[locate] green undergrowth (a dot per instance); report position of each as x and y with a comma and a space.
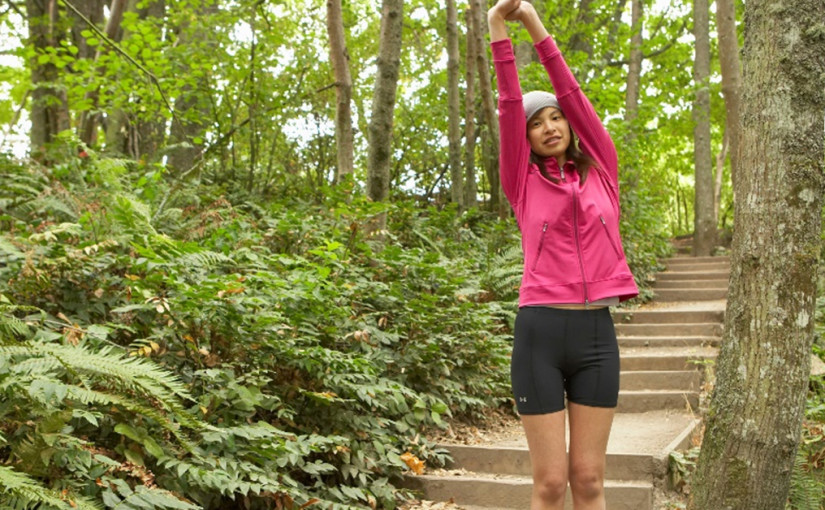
176, 345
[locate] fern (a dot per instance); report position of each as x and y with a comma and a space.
504, 274
10, 326
37, 365
807, 490
20, 491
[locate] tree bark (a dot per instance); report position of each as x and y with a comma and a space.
383, 104
731, 76
470, 187
87, 130
343, 88
49, 108
755, 415
634, 78
704, 219
185, 151
454, 105
93, 10
489, 109
129, 132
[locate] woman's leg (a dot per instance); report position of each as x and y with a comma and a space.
548, 455
589, 432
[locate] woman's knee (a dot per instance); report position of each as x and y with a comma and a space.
551, 487
587, 481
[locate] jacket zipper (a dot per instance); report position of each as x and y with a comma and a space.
578, 242
609, 237
541, 245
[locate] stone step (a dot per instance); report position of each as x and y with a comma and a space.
691, 284
654, 358
513, 492
673, 330
671, 380
642, 401
669, 341
695, 261
665, 316
516, 461
692, 265
637, 448
721, 276
665, 295
678, 260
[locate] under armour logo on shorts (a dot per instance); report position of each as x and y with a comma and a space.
522, 399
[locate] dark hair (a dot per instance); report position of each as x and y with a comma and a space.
583, 161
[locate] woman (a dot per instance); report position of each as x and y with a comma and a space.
566, 202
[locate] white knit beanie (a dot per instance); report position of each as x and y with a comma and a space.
536, 101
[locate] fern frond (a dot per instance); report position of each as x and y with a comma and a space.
23, 492
10, 326
132, 214
807, 491
202, 260
49, 205
138, 374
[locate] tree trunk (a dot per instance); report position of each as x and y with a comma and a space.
93, 11
470, 187
634, 78
343, 88
489, 108
185, 152
454, 106
49, 108
87, 131
134, 134
755, 415
731, 75
581, 39
383, 104
704, 220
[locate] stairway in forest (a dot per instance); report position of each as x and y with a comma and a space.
663, 346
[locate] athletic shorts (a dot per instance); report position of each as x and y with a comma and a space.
558, 352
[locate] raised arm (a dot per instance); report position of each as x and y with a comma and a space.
593, 137
514, 153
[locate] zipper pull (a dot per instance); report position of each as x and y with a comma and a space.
561, 171
602, 218
544, 228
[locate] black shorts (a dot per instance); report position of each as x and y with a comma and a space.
560, 351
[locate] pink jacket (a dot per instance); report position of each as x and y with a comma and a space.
570, 231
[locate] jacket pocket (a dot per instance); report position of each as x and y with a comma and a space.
610, 238
541, 245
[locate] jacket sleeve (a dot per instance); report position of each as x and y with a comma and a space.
514, 153
593, 137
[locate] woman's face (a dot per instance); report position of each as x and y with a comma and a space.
549, 134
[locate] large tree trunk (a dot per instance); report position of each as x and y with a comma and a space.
704, 219
497, 202
49, 109
383, 104
454, 106
634, 78
470, 187
343, 88
731, 77
754, 421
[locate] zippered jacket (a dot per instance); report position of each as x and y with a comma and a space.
570, 230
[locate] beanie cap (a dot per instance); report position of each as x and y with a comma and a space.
536, 101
